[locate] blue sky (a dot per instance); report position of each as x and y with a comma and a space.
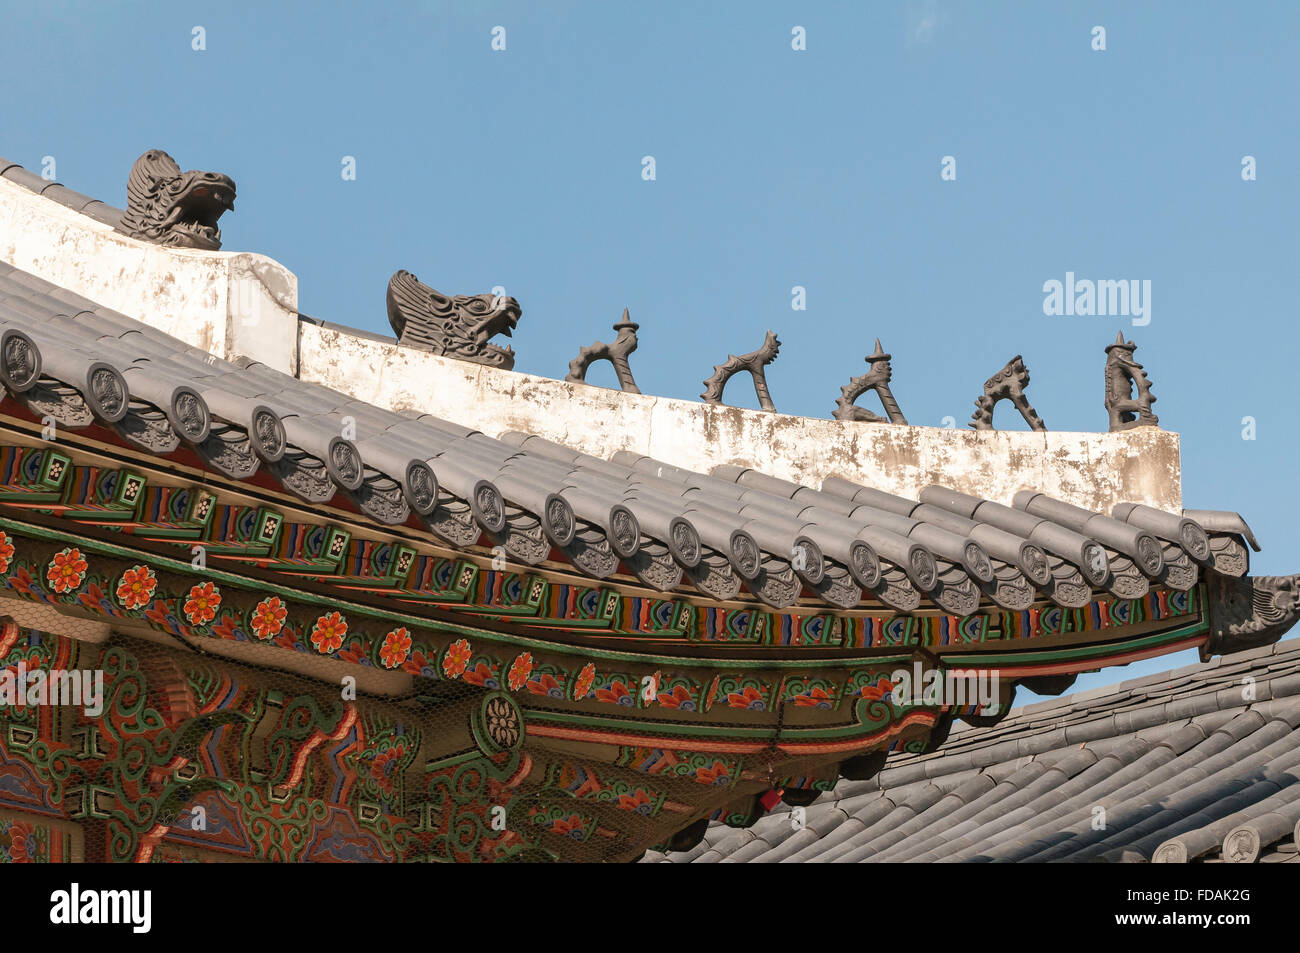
774, 168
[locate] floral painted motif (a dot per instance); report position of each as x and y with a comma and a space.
202, 604
749, 699
66, 570
328, 634
228, 628
6, 552
481, 675
24, 846
879, 690
396, 647
545, 684
520, 669
136, 587
639, 802
582, 687
94, 599
571, 826
715, 774
354, 653
420, 664
456, 659
678, 698
384, 768
616, 694
817, 698
268, 618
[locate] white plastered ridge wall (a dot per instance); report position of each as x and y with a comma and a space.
238, 304
1095, 470
230, 304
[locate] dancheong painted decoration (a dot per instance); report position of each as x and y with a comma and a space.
253, 610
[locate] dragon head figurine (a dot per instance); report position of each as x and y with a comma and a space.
179, 209
1249, 612
458, 327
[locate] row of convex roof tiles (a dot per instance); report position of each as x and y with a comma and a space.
100, 211
82, 364
1184, 766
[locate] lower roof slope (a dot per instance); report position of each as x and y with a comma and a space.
1198, 764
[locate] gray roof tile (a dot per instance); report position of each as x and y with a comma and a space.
28, 180
67, 197
100, 211
527, 493
1162, 775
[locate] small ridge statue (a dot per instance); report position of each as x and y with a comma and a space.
1123, 376
1007, 384
456, 327
754, 362
616, 353
876, 379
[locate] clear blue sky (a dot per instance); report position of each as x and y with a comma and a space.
775, 168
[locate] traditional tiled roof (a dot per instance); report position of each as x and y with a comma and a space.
68, 357
1047, 588
1196, 764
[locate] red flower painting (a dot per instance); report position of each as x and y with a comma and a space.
456, 659
202, 604
6, 552
585, 679
136, 587
66, 570
520, 669
329, 632
396, 647
268, 618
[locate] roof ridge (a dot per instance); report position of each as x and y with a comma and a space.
92, 208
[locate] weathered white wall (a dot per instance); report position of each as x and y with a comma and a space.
235, 304
1095, 470
228, 303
